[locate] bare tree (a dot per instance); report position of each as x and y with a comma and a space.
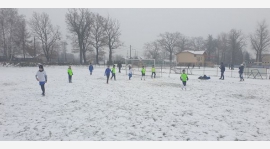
210, 46
222, 47
47, 34
34, 48
9, 26
152, 50
79, 22
197, 44
260, 40
98, 34
23, 36
169, 42
112, 32
183, 43
236, 43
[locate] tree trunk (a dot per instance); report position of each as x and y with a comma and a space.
24, 50
260, 56
84, 57
97, 56
4, 38
80, 45
110, 56
170, 60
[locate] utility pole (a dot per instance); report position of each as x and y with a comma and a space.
130, 52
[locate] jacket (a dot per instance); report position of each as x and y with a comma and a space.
143, 70
184, 77
222, 68
241, 69
70, 72
113, 70
107, 71
41, 76
91, 68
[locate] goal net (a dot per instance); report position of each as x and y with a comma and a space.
137, 64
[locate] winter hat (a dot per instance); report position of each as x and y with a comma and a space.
40, 66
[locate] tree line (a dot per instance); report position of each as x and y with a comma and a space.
88, 32
92, 35
228, 47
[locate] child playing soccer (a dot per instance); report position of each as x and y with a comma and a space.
184, 79
91, 68
107, 73
153, 72
130, 72
143, 72
70, 73
41, 76
113, 72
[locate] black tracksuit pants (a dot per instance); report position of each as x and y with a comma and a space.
43, 88
69, 78
113, 76
222, 75
108, 76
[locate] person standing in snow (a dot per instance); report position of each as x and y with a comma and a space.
153, 72
222, 69
113, 72
241, 71
91, 68
70, 74
119, 65
41, 76
107, 73
130, 72
184, 78
143, 72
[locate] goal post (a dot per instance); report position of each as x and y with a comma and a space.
137, 64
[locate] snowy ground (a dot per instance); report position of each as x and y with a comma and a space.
155, 109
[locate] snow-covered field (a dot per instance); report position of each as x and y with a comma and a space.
155, 109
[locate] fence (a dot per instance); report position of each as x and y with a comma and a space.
253, 73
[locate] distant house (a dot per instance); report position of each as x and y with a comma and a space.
188, 58
266, 59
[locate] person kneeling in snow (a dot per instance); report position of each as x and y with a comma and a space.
204, 77
184, 79
41, 76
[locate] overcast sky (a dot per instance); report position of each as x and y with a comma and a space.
141, 25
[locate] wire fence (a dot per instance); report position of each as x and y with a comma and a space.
253, 73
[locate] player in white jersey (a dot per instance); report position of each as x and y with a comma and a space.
41, 76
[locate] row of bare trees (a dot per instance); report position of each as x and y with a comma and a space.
92, 31
17, 39
90, 34
228, 47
